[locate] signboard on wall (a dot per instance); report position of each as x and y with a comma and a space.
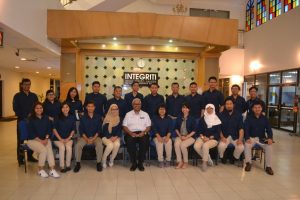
1, 39
144, 78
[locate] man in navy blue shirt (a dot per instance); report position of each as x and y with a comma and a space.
195, 101
23, 103
238, 101
253, 98
153, 100
213, 96
258, 131
90, 130
174, 102
231, 131
117, 99
98, 98
132, 95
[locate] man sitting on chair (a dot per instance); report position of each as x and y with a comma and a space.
256, 127
136, 126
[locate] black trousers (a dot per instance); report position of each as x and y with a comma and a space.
19, 142
131, 143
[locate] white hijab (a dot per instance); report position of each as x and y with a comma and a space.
211, 119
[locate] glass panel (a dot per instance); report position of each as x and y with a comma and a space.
274, 78
248, 82
287, 119
273, 115
273, 96
288, 94
289, 77
261, 83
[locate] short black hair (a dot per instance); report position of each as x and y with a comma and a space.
90, 102
253, 87
175, 83
117, 87
228, 99
134, 82
257, 102
49, 91
193, 83
154, 84
96, 82
212, 78
185, 104
236, 85
161, 106
25, 80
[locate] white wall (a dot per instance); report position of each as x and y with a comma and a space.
10, 86
29, 17
274, 45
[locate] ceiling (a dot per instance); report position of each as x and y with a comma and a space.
45, 59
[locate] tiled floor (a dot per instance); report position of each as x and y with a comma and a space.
219, 182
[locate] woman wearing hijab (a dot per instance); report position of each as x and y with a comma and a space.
209, 134
185, 130
112, 132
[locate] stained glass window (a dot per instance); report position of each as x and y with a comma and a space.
249, 15
274, 8
290, 4
261, 12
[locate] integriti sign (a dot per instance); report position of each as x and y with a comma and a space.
144, 78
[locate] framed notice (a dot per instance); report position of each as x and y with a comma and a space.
1, 39
144, 78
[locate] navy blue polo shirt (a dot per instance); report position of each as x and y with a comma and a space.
162, 126
52, 109
23, 104
121, 103
64, 126
257, 127
100, 102
174, 104
250, 103
90, 126
190, 123
231, 124
75, 105
151, 104
39, 127
214, 97
196, 103
129, 98
239, 103
208, 132
116, 131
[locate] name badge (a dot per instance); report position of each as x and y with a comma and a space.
142, 117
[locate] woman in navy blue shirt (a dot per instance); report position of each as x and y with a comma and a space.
185, 129
51, 105
112, 132
209, 131
64, 129
39, 131
162, 128
74, 102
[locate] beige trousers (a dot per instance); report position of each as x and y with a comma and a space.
238, 150
45, 152
111, 147
266, 147
202, 148
181, 148
160, 149
81, 143
64, 147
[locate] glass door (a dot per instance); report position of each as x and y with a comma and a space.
273, 105
287, 116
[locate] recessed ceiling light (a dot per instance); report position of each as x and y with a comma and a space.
23, 59
50, 74
115, 38
103, 45
49, 67
115, 44
68, 73
152, 48
176, 48
37, 72
170, 41
17, 67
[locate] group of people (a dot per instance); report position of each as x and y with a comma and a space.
205, 121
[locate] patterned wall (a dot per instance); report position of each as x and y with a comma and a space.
109, 72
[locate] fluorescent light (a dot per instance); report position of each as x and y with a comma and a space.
23, 59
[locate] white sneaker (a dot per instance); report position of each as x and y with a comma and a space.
210, 162
54, 174
104, 165
42, 173
111, 163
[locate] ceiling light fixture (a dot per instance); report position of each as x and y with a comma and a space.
115, 38
49, 67
180, 8
170, 41
37, 72
17, 67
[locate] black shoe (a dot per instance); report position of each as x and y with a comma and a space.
68, 169
248, 167
99, 167
32, 159
77, 167
269, 171
141, 167
232, 161
133, 167
64, 170
224, 160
